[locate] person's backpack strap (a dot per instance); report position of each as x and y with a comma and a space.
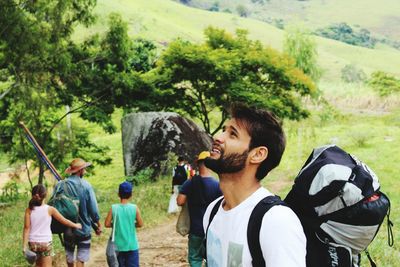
212, 215
254, 227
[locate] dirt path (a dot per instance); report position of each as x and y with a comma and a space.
159, 246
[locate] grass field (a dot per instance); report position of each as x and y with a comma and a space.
163, 21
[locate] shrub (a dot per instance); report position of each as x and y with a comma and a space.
353, 74
10, 192
384, 83
242, 11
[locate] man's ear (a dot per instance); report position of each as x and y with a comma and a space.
258, 154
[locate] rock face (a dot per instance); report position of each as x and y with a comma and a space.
148, 137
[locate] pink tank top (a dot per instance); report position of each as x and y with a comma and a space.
40, 224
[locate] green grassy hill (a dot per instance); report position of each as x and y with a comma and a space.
163, 21
379, 17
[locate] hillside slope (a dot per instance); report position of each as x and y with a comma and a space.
379, 17
164, 20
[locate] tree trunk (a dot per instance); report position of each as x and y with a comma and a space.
41, 172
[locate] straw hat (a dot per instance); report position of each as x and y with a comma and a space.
77, 165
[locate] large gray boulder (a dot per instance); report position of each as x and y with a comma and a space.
148, 137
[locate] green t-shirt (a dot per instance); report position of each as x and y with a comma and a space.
124, 218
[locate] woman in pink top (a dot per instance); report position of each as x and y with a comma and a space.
37, 233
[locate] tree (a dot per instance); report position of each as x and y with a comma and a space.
33, 40
300, 46
201, 79
43, 70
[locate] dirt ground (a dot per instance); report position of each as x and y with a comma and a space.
159, 246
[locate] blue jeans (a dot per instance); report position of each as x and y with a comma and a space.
128, 258
195, 256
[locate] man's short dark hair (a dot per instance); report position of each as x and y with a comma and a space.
264, 129
181, 158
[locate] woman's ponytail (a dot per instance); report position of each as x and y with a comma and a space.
38, 195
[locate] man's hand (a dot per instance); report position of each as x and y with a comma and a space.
98, 229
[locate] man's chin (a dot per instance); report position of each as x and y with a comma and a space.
213, 164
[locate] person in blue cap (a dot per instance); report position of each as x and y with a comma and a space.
124, 218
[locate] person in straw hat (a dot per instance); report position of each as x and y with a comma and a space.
89, 217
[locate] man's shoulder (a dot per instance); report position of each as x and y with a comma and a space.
210, 179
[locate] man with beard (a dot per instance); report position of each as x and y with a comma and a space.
250, 145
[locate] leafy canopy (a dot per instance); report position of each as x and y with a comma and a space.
202, 79
300, 45
45, 76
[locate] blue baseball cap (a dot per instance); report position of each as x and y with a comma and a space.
125, 188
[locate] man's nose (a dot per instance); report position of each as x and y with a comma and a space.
219, 138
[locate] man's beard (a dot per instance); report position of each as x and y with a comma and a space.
227, 164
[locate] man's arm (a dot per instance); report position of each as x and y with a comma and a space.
108, 221
93, 211
181, 199
282, 239
139, 221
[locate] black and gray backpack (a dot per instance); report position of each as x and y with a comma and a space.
339, 203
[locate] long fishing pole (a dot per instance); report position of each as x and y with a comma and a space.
40, 152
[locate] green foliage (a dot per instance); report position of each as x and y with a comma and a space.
10, 192
301, 46
141, 177
352, 74
197, 79
45, 71
345, 33
242, 10
279, 23
214, 7
261, 2
384, 83
33, 45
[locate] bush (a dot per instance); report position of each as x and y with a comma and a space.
214, 7
242, 11
10, 192
384, 83
353, 74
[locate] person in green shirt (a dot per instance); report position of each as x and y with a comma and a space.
124, 218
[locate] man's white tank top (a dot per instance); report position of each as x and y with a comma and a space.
40, 224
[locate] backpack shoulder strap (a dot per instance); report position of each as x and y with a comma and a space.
212, 215
254, 227
213, 212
